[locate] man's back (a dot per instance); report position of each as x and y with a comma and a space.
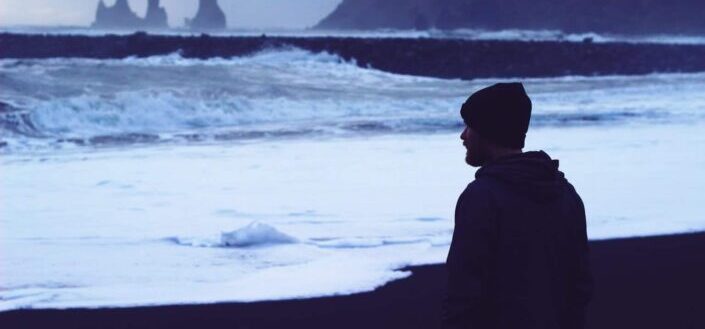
519, 256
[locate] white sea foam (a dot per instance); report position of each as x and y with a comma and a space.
255, 234
65, 103
258, 234
360, 209
258, 221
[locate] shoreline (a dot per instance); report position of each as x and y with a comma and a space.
645, 282
439, 58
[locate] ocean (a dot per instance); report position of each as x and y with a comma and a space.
291, 174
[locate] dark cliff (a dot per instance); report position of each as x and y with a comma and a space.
209, 16
623, 16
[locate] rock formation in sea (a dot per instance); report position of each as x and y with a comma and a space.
623, 16
156, 15
121, 16
118, 16
209, 16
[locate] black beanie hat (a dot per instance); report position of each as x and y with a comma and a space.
500, 113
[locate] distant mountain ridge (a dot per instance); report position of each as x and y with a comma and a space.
601, 16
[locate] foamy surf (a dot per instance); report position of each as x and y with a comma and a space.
174, 225
73, 103
133, 184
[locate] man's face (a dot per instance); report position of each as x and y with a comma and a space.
476, 154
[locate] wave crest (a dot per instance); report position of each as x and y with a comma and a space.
56, 103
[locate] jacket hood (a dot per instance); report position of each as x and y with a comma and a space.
533, 174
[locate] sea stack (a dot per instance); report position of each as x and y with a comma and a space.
118, 16
121, 16
209, 16
156, 16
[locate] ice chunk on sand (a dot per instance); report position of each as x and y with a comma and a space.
255, 234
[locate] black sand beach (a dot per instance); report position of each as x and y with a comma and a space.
655, 282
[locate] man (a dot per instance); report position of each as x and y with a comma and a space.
519, 255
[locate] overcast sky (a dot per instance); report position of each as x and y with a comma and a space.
240, 13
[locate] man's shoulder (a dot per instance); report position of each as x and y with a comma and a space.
475, 203
481, 186
479, 190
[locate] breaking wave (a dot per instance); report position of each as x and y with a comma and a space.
58, 103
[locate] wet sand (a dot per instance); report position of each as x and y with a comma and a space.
655, 282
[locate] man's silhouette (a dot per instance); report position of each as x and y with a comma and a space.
519, 256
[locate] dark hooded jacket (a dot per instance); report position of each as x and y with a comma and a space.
519, 255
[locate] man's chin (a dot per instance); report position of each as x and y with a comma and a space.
472, 162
